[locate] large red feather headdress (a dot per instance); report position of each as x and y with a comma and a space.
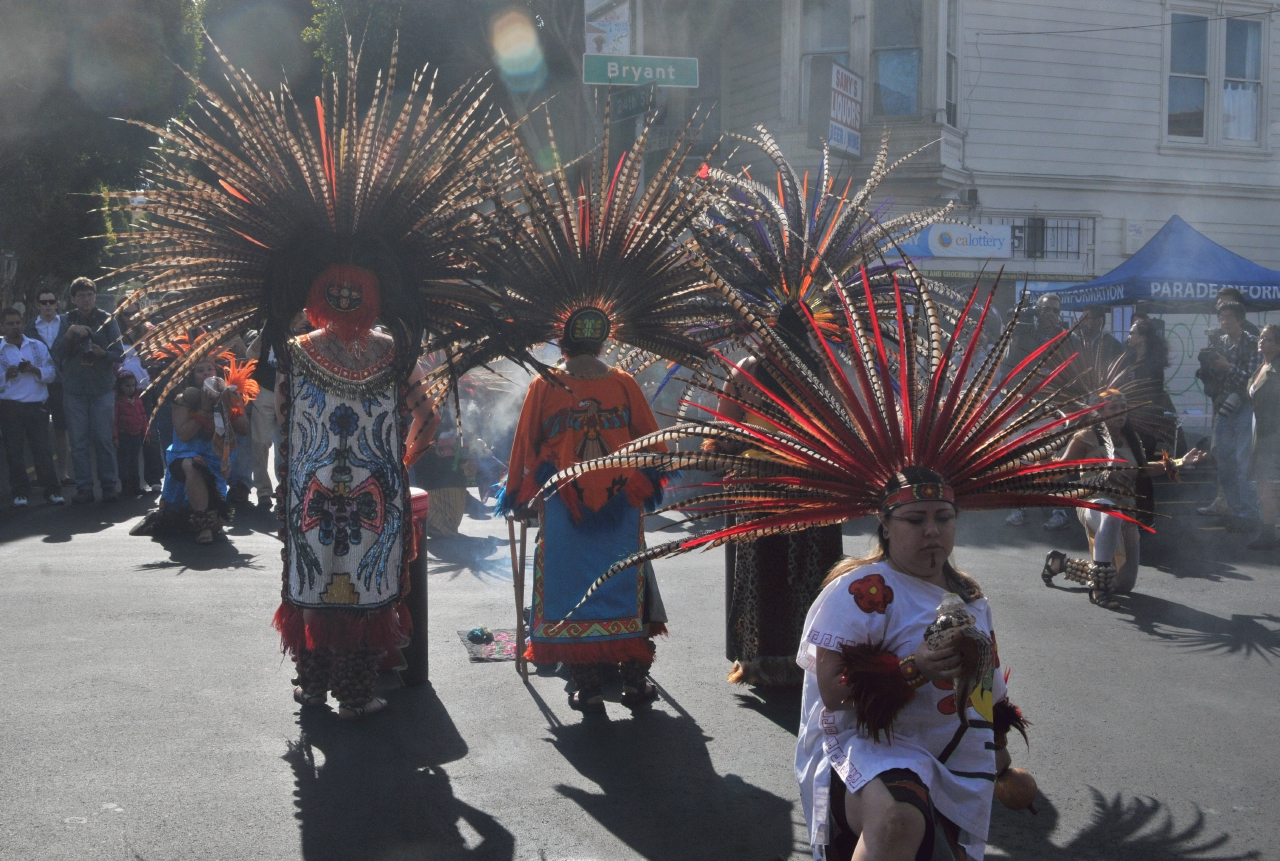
829, 441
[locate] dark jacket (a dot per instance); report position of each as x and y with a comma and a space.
1027, 338
81, 372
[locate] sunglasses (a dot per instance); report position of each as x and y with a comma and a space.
47, 301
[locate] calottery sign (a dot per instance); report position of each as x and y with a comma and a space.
632, 71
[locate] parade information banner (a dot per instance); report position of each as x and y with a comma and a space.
1187, 291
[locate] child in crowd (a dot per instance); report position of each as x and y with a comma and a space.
131, 425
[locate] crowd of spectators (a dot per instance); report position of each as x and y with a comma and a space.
1237, 375
75, 407
74, 404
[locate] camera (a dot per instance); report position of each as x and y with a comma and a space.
1209, 377
1207, 355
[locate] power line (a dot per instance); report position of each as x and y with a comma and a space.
1114, 29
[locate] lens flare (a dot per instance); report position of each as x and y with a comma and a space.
517, 51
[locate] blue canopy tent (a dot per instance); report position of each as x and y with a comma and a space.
1178, 271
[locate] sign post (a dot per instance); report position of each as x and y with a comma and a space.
617, 70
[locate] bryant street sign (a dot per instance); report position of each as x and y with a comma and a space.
630, 71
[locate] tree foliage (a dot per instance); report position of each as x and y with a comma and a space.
67, 68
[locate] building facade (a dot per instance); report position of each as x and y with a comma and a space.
1083, 127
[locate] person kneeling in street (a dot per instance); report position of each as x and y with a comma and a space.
207, 415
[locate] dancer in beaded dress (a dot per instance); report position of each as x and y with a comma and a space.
266, 207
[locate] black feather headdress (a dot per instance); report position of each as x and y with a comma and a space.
589, 235
1094, 372
780, 248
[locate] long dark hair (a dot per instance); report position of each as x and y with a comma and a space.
1155, 347
957, 581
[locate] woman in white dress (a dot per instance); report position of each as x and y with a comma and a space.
882, 758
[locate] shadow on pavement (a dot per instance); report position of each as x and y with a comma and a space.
475, 554
661, 795
780, 705
60, 524
1204, 632
185, 555
249, 519
377, 789
1122, 829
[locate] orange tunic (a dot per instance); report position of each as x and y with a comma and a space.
587, 418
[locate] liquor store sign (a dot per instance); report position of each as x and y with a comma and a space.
835, 107
844, 127
632, 71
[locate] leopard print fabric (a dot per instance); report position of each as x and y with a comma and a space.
772, 583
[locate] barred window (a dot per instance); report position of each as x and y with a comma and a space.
1043, 238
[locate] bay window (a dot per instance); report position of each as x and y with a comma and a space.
896, 41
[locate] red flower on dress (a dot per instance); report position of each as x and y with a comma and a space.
946, 705
871, 594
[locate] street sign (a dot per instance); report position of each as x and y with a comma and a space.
631, 71
835, 107
629, 103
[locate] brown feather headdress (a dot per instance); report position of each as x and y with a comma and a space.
780, 248
245, 207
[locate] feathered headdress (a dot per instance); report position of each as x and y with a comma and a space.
831, 446
780, 249
1093, 372
586, 253
249, 209
239, 377
181, 347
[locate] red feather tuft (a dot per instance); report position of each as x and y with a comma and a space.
877, 689
1006, 716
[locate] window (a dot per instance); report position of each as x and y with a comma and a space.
1242, 82
1188, 75
1039, 238
953, 61
895, 56
824, 33
1215, 79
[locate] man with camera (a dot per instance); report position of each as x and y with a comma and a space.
86, 350
1225, 368
25, 372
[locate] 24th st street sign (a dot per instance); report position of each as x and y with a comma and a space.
629, 71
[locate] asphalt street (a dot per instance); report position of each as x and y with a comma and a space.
147, 715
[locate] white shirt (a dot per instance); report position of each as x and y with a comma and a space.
131, 363
26, 388
876, 604
48, 331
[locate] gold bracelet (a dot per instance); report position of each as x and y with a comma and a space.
910, 672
